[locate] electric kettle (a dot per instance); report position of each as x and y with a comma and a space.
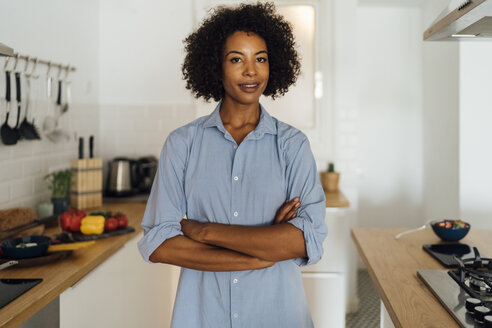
122, 177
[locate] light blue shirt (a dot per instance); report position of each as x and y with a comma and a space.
206, 176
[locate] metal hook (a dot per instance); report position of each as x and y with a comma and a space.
67, 70
36, 60
60, 69
27, 64
6, 63
16, 62
49, 69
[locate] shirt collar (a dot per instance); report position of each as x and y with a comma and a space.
265, 125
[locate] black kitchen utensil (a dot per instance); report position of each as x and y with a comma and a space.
81, 148
18, 99
8, 134
91, 147
28, 130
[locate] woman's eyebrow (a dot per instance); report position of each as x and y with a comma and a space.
240, 53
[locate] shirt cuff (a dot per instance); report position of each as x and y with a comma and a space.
154, 237
314, 248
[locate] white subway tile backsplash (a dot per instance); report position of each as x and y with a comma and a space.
22, 149
4, 193
32, 166
21, 188
4, 153
40, 185
10, 171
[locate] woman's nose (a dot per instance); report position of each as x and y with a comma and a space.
250, 69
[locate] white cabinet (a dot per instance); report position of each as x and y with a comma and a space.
330, 284
121, 292
326, 298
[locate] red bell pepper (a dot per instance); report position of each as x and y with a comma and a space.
71, 220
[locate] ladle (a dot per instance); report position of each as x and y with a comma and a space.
57, 134
50, 123
7, 133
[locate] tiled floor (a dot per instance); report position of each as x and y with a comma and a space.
368, 314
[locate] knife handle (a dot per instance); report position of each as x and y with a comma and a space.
58, 99
91, 147
17, 87
7, 88
81, 148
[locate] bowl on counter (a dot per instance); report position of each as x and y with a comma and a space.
22, 248
450, 230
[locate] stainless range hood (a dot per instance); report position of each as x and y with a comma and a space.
462, 19
6, 51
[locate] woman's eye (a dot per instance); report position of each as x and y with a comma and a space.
262, 60
235, 60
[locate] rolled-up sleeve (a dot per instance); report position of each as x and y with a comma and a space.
166, 205
303, 182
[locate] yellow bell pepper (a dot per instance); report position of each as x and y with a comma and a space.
92, 225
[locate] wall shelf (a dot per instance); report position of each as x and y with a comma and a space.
6, 51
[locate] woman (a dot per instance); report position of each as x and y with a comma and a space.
230, 172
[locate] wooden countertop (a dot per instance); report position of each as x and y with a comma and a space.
59, 276
336, 199
393, 266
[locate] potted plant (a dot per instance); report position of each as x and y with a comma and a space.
59, 183
329, 178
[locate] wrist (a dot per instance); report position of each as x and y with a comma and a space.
203, 232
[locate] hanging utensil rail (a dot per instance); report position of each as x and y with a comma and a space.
27, 58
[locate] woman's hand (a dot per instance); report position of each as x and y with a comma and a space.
192, 229
287, 211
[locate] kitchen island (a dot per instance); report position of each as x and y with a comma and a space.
393, 264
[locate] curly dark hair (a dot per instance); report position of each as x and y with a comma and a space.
202, 67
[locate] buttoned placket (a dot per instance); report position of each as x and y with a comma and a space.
235, 209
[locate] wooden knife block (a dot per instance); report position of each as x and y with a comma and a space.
86, 191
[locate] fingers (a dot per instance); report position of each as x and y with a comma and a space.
288, 210
292, 212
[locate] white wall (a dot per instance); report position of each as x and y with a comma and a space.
390, 114
475, 158
440, 122
33, 28
142, 93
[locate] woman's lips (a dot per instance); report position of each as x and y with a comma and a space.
249, 87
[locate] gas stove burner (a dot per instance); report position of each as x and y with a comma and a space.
478, 284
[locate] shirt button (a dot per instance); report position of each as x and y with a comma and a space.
235, 315
236, 178
235, 281
236, 213
235, 146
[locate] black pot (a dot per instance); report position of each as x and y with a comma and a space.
60, 205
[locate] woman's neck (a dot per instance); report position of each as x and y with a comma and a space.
237, 116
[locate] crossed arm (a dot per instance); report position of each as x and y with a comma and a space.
221, 247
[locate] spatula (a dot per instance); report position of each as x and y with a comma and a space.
7, 133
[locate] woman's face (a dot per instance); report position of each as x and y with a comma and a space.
245, 67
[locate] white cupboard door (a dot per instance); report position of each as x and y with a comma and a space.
124, 291
326, 298
336, 244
